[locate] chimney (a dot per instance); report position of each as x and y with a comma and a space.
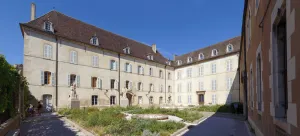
32, 11
154, 48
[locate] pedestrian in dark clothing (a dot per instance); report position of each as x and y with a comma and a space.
40, 106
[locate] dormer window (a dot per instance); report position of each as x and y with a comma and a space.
168, 62
48, 26
150, 57
229, 48
94, 40
189, 59
179, 62
127, 50
214, 52
201, 56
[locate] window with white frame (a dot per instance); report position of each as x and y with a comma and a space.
128, 67
229, 83
47, 78
213, 84
214, 52
168, 62
73, 57
95, 61
229, 48
113, 65
179, 99
128, 84
140, 86
140, 70
150, 72
140, 99
48, 26
126, 50
201, 86
256, 5
169, 99
229, 65
151, 100
214, 99
94, 40
179, 62
161, 74
150, 57
179, 87
213, 68
73, 79
151, 87
112, 100
189, 99
189, 86
201, 56
113, 84
48, 51
189, 59
179, 75
201, 70
189, 72
94, 99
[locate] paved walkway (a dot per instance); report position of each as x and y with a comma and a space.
48, 125
218, 125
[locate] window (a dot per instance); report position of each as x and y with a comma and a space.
179, 75
151, 100
213, 68
128, 84
126, 50
189, 59
150, 72
214, 52
73, 57
179, 88
201, 56
201, 71
169, 89
213, 85
45, 77
189, 86
94, 40
229, 83
94, 99
151, 87
201, 86
229, 48
48, 26
140, 70
94, 82
189, 99
256, 5
112, 84
189, 72
113, 65
161, 74
74, 79
179, 62
128, 67
229, 65
161, 100
95, 61
214, 99
258, 81
48, 51
140, 99
169, 76
140, 86
168, 62
161, 89
112, 100
169, 99
150, 57
179, 99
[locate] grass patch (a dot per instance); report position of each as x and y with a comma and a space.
186, 114
112, 122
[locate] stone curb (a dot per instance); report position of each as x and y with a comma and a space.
87, 133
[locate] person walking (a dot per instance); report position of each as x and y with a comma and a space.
40, 106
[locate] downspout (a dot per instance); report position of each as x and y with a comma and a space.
165, 84
119, 73
56, 74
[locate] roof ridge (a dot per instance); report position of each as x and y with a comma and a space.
42, 16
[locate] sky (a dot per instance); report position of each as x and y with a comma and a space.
175, 26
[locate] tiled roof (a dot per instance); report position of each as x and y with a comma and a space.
79, 31
207, 51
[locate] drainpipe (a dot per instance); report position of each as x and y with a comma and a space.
119, 84
165, 84
56, 75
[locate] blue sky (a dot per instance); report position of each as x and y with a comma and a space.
175, 26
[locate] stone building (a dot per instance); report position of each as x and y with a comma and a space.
108, 69
267, 63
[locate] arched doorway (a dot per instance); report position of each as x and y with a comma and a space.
129, 97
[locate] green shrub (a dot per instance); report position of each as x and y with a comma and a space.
221, 108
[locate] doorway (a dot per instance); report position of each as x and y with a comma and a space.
201, 99
47, 103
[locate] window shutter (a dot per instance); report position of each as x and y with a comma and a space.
130, 66
91, 40
115, 65
98, 83
141, 86
75, 57
125, 67
42, 77
116, 84
130, 85
71, 57
78, 80
93, 64
69, 80
97, 61
50, 51
53, 78
51, 27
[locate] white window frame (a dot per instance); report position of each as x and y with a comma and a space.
128, 67
112, 100
201, 56
150, 71
189, 87
94, 100
95, 61
201, 86
179, 87
179, 62
229, 65
214, 84
214, 52
73, 57
179, 75
189, 59
94, 40
214, 99
201, 70
213, 68
189, 73
179, 99
189, 99
227, 48
50, 26
257, 3
229, 83
113, 65
47, 51
126, 50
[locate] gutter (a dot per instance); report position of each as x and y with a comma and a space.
165, 84
56, 74
119, 73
